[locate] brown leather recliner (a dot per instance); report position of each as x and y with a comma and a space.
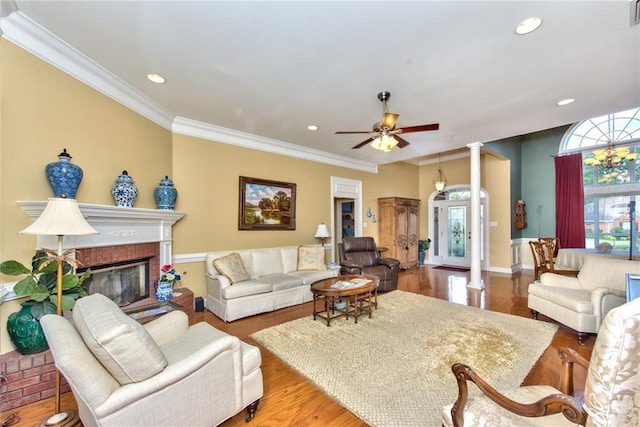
359, 255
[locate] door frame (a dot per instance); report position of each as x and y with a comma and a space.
345, 188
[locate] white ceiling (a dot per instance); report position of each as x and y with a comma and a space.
272, 68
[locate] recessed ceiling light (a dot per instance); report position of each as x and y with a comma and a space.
156, 78
312, 127
566, 101
528, 25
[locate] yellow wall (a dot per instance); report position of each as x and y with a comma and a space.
45, 110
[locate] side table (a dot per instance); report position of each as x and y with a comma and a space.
184, 298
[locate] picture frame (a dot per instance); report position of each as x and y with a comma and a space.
266, 205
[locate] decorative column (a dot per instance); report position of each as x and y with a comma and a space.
476, 266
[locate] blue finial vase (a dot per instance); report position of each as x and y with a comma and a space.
165, 194
64, 176
124, 191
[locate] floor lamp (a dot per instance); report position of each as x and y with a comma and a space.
61, 217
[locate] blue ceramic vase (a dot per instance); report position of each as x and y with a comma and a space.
25, 331
124, 191
63, 176
164, 291
165, 194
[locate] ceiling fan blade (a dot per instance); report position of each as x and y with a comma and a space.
363, 143
401, 142
421, 128
389, 120
354, 131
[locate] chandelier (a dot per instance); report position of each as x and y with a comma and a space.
610, 157
439, 180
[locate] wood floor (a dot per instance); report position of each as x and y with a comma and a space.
289, 400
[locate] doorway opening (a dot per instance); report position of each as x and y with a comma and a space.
346, 211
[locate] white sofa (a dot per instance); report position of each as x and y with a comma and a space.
275, 281
582, 302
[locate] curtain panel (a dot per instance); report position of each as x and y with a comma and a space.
570, 201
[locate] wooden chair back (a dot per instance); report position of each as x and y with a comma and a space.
553, 243
541, 262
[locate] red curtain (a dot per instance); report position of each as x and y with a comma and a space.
569, 201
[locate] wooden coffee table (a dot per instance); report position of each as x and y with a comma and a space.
359, 292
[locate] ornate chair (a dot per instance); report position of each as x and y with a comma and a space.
611, 391
553, 243
543, 261
359, 255
162, 373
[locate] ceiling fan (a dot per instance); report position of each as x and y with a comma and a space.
384, 136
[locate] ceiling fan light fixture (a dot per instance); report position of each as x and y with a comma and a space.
384, 143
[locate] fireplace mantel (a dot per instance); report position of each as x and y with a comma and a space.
116, 226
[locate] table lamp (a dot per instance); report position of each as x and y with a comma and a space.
322, 232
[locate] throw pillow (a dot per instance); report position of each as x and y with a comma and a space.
122, 345
310, 258
232, 267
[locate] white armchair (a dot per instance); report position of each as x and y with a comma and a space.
164, 373
582, 302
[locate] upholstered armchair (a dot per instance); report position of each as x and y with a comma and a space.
582, 302
359, 255
163, 373
611, 392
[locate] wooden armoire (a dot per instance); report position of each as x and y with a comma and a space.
398, 226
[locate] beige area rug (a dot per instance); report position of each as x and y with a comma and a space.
395, 368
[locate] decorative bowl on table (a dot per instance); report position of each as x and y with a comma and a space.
604, 248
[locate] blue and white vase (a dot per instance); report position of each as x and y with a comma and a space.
64, 176
124, 191
164, 291
165, 194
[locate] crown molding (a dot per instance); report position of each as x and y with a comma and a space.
27, 34
30, 36
188, 127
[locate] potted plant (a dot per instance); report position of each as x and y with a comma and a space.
423, 247
40, 285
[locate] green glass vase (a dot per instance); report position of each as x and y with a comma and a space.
25, 331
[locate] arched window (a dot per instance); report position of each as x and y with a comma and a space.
611, 173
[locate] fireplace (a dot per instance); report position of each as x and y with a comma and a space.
123, 283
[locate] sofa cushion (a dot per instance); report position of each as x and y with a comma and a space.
281, 281
247, 288
289, 258
232, 267
310, 258
122, 345
578, 300
310, 276
267, 261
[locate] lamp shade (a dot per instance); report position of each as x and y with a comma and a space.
322, 231
61, 217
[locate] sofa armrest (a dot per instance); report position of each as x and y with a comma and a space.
216, 283
559, 281
392, 263
225, 350
605, 299
166, 328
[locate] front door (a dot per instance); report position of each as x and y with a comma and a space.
452, 230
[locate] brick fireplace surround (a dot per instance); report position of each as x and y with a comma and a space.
125, 234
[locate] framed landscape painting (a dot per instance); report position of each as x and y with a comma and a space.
266, 205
